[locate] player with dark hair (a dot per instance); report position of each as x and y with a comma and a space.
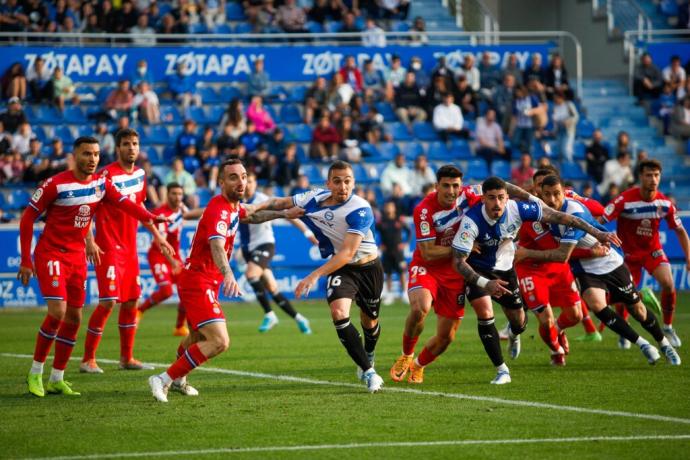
69, 200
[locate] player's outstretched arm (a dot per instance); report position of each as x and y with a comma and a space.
431, 251
274, 204
519, 193
684, 241
162, 243
561, 254
493, 287
344, 255
230, 287
552, 216
26, 235
257, 216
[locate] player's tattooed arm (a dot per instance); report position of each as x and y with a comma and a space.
493, 287
255, 216
519, 193
230, 287
552, 216
561, 254
432, 251
275, 204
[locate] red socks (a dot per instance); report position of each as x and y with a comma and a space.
668, 306
45, 337
64, 344
409, 344
94, 331
181, 317
586, 320
425, 357
127, 322
188, 361
158, 296
566, 320
549, 336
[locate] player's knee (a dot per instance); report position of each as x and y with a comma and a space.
667, 286
220, 344
107, 303
576, 314
166, 291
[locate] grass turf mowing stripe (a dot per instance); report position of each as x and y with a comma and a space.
510, 402
459, 442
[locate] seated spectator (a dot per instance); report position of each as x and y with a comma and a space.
540, 118
373, 82
228, 142
647, 80
234, 115
442, 70
127, 17
623, 144
119, 101
13, 82
257, 114
587, 191
319, 12
421, 175
521, 175
352, 75
13, 17
373, 36
178, 174
13, 116
489, 75
667, 104
213, 12
22, 138
38, 77
349, 140
466, 98
250, 139
349, 27
287, 169
60, 160
409, 101
435, 93
277, 143
556, 79
186, 138
207, 139
596, 155
315, 100
142, 28
396, 172
301, 186
183, 88
565, 119
680, 122
489, 135
394, 9
371, 126
190, 160
210, 166
418, 35
146, 103
618, 172
142, 73
38, 16
63, 88
258, 82
447, 119
512, 67
674, 75
106, 141
420, 75
525, 107
470, 72
503, 101
155, 192
5, 140
534, 71
325, 141
340, 93
291, 18
261, 164
169, 26
642, 155
394, 77
612, 193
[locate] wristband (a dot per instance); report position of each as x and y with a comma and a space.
534, 199
482, 282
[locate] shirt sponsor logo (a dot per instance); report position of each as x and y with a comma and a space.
645, 228
84, 210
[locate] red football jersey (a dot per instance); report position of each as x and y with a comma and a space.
536, 235
220, 220
116, 230
638, 221
591, 204
171, 231
69, 205
433, 222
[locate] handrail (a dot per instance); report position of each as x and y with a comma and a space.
644, 22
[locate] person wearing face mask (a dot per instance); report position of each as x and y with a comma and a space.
141, 74
421, 76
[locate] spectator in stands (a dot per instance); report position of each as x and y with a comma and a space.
22, 138
38, 77
466, 97
301, 186
183, 88
683, 21
228, 142
349, 140
623, 144
352, 75
396, 172
596, 155
287, 168
258, 82
63, 89
261, 164
340, 93
512, 67
14, 82
13, 116
612, 192
250, 139
371, 126
565, 118
67, 27
556, 79
373, 82
190, 160
122, 123
119, 101
169, 26
92, 26
234, 115
315, 100
442, 70
142, 73
349, 26
544, 162
142, 28
642, 155
666, 106
257, 113
12, 17
535, 70
127, 17
325, 141
213, 12
490, 144
207, 140
5, 140
186, 138
447, 119
409, 101
674, 75
106, 141
617, 171
470, 72
421, 77
394, 9
489, 75
587, 190
291, 18
38, 16
540, 118
210, 166
60, 160
155, 191
318, 12
521, 175
525, 107
418, 35
12, 168
647, 80
178, 174
421, 175
503, 101
394, 77
108, 18
146, 104
680, 122
277, 143
373, 36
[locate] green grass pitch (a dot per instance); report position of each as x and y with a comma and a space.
319, 410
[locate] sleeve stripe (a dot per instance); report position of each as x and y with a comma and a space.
426, 239
352, 230
564, 240
214, 237
459, 249
122, 198
34, 206
294, 200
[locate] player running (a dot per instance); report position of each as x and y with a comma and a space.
599, 276
639, 211
69, 200
258, 247
116, 259
206, 269
488, 271
164, 267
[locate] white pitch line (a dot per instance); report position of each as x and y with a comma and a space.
388, 389
459, 442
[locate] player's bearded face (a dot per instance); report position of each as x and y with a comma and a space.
650, 179
234, 182
129, 149
448, 190
552, 196
495, 202
341, 184
86, 158
175, 196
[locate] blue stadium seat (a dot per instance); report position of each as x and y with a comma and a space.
234, 11
228, 93
572, 171
298, 93
398, 131
169, 152
361, 174
501, 169
74, 115
579, 152
198, 114
244, 28
584, 129
65, 133
476, 169
18, 199
198, 28
387, 111
208, 94
215, 113
400, 26
222, 29
438, 151
425, 131
313, 172
40, 133
412, 150
204, 195
333, 27
272, 112
370, 152
170, 114
86, 93
314, 27
301, 133
460, 150
278, 92
45, 114
158, 135
290, 113
388, 150
154, 156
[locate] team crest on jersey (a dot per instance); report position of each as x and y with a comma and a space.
222, 228
362, 213
84, 210
328, 215
537, 227
99, 192
224, 214
609, 208
425, 228
55, 283
37, 194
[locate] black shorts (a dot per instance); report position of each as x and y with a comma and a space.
393, 262
511, 301
362, 283
619, 284
261, 255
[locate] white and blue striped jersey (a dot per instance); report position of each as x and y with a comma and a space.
563, 234
330, 224
254, 235
493, 236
